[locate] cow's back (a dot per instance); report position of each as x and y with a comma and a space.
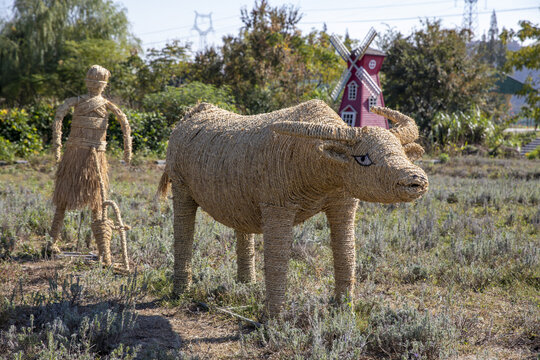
231, 163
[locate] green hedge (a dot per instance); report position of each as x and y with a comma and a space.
28, 131
150, 132
535, 154
19, 135
174, 101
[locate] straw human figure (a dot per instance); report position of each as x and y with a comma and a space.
81, 178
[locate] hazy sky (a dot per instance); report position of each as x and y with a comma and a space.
156, 22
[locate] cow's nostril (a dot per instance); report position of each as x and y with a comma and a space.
412, 183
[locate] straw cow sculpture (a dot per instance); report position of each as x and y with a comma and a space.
266, 173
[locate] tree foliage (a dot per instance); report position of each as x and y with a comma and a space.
136, 77
491, 51
431, 71
527, 57
270, 64
46, 43
174, 101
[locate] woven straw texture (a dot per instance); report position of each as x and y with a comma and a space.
245, 257
269, 172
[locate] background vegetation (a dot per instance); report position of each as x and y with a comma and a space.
433, 74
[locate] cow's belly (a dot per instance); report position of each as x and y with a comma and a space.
245, 216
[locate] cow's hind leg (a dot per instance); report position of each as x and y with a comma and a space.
245, 257
185, 209
340, 217
277, 225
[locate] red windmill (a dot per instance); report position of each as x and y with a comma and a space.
361, 82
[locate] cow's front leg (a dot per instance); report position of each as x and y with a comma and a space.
340, 215
185, 209
277, 224
245, 257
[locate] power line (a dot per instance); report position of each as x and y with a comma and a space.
187, 36
409, 18
314, 10
381, 6
183, 27
326, 21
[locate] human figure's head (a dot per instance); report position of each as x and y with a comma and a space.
96, 79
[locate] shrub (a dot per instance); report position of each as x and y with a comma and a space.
460, 128
535, 154
7, 150
18, 134
408, 334
174, 101
59, 326
325, 334
444, 158
150, 131
41, 117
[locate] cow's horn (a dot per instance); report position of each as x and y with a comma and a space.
405, 130
316, 131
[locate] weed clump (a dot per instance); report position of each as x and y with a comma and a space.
58, 324
323, 334
409, 334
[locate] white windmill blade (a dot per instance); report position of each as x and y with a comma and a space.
341, 83
361, 50
340, 47
366, 79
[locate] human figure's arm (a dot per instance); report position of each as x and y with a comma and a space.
57, 125
126, 129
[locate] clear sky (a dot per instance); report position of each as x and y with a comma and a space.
156, 22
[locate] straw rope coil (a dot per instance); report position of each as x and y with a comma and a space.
266, 173
102, 227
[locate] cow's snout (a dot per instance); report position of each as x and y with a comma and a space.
412, 185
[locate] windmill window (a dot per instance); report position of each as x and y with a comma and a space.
353, 90
372, 101
349, 117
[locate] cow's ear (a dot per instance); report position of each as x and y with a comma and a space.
413, 151
335, 151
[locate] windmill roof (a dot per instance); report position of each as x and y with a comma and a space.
369, 51
372, 51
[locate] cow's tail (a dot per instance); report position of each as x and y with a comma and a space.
164, 185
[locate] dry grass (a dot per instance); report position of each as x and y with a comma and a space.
461, 280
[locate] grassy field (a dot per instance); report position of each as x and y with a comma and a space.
453, 275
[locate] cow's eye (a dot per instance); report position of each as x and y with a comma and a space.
363, 160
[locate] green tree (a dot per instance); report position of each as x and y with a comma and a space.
491, 49
174, 101
80, 55
270, 64
431, 71
44, 34
527, 57
136, 77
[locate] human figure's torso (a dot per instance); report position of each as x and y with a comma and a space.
89, 124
